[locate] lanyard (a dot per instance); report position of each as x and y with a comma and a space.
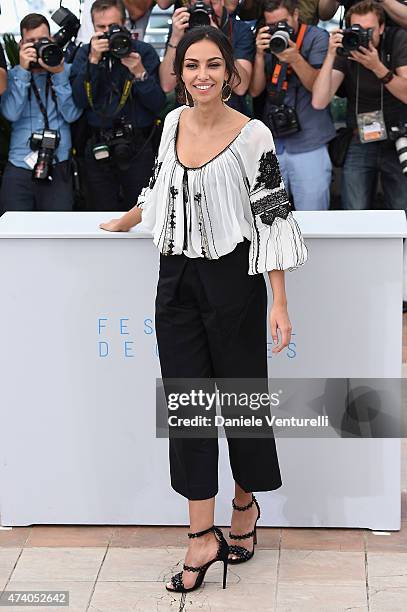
357, 91
122, 101
48, 88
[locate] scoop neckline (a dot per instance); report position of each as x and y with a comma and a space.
213, 158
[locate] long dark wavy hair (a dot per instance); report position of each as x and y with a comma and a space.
194, 35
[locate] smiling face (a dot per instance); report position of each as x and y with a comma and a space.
204, 71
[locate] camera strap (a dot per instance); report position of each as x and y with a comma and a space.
124, 96
282, 71
48, 88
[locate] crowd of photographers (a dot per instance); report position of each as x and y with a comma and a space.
84, 109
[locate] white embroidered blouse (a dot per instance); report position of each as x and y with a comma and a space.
206, 211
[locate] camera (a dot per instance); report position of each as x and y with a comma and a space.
46, 143
51, 51
117, 143
281, 33
199, 14
398, 134
353, 38
48, 51
69, 26
283, 121
120, 41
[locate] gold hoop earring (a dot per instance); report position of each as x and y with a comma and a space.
226, 92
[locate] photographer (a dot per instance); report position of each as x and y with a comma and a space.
395, 10
239, 34
288, 57
375, 82
115, 79
138, 15
310, 10
38, 103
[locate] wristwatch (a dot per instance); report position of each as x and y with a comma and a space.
141, 77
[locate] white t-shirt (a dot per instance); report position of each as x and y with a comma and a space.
207, 211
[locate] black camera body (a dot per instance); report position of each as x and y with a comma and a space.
199, 14
283, 121
398, 131
46, 143
117, 143
69, 26
51, 51
120, 41
354, 38
47, 50
281, 33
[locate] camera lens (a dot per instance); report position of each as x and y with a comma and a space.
401, 147
43, 168
120, 46
351, 41
279, 42
50, 53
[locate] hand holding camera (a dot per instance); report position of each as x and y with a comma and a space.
28, 55
134, 64
42, 54
263, 40
369, 58
180, 23
116, 43
335, 43
99, 45
290, 55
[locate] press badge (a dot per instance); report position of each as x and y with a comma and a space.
371, 126
31, 159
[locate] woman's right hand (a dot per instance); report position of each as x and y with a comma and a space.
114, 225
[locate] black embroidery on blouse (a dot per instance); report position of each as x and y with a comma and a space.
268, 173
156, 171
168, 247
271, 206
201, 226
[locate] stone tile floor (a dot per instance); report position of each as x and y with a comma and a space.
123, 569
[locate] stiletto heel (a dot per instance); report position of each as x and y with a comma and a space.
221, 555
241, 552
225, 570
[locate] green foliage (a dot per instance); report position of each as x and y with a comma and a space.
11, 47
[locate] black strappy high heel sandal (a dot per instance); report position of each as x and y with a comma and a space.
222, 555
240, 551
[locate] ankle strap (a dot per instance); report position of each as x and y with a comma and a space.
249, 505
198, 534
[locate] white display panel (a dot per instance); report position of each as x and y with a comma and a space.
78, 365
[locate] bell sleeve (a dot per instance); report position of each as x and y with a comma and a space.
147, 192
276, 241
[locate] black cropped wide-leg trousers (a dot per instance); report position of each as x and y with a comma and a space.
211, 322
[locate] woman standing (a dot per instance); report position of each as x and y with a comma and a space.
220, 216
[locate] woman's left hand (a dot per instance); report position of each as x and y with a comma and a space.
279, 320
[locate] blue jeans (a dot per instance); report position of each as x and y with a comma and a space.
307, 177
360, 173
